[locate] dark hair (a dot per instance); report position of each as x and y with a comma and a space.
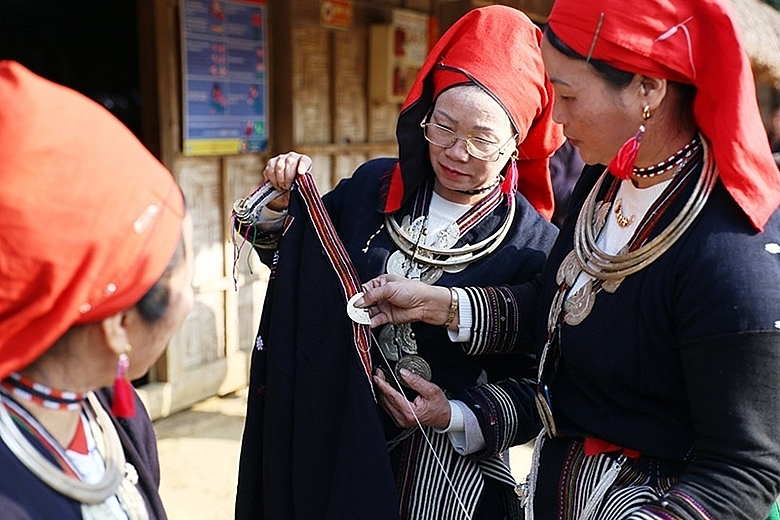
620, 78
615, 77
155, 302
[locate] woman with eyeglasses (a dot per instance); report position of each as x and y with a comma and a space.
659, 316
466, 203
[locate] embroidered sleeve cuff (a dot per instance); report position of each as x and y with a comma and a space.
498, 419
495, 320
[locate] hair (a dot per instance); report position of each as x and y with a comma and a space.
619, 79
155, 302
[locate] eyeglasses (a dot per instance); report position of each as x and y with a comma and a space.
475, 147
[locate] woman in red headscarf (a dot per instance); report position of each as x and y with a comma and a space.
659, 322
467, 202
96, 277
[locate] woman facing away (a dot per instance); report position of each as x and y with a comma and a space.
460, 206
96, 269
657, 322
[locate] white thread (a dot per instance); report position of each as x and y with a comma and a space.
671, 32
427, 440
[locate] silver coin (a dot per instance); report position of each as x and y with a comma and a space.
400, 264
447, 237
458, 263
417, 228
387, 343
357, 314
579, 304
404, 338
415, 365
431, 275
396, 264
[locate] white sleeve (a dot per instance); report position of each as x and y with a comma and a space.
464, 432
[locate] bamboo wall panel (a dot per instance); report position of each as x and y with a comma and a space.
311, 85
321, 169
346, 164
349, 71
351, 104
418, 5
203, 334
382, 120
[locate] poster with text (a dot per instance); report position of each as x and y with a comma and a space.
224, 76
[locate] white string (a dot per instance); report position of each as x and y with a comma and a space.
427, 440
668, 34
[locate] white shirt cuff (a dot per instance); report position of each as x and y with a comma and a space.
465, 318
464, 432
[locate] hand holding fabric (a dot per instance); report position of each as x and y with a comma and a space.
280, 171
431, 406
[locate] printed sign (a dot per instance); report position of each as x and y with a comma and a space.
224, 76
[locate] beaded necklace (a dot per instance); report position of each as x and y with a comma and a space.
483, 189
666, 165
29, 390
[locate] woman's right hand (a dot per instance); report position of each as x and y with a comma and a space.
395, 299
280, 171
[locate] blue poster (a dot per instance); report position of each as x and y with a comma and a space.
224, 76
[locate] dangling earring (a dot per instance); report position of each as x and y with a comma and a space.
622, 166
509, 185
123, 405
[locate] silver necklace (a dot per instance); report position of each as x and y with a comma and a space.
119, 479
610, 270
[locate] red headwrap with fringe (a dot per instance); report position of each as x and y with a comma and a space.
498, 49
695, 42
90, 218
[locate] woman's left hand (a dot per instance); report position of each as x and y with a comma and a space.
431, 406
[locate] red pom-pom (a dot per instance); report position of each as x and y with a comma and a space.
123, 405
622, 166
509, 185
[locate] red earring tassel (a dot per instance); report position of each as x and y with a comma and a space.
123, 405
509, 185
622, 166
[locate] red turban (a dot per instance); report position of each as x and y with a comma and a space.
90, 219
497, 48
695, 42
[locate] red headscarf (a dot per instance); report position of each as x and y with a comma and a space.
695, 42
90, 219
497, 48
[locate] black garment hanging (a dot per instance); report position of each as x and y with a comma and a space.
313, 444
